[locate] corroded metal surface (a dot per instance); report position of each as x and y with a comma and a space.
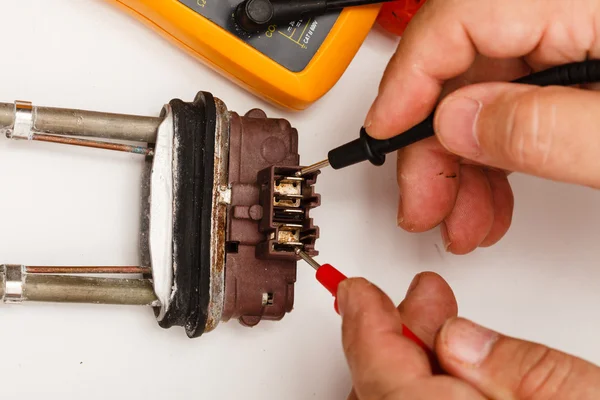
221, 199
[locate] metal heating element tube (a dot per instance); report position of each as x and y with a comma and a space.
64, 121
75, 289
18, 285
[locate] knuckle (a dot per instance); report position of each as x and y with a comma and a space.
544, 373
530, 128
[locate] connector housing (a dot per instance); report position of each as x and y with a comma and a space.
260, 277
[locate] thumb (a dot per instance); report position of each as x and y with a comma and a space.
505, 368
551, 132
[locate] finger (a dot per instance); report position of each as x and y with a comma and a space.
485, 69
504, 202
506, 368
381, 360
472, 218
384, 364
590, 86
428, 304
428, 178
550, 132
436, 387
572, 36
444, 37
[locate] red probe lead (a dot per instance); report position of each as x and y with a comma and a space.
331, 278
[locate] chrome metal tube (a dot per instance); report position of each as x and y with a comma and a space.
72, 122
74, 289
7, 114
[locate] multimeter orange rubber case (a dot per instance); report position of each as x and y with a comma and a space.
292, 66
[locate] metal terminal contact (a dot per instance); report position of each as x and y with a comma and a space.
288, 214
313, 168
287, 200
288, 192
289, 235
308, 259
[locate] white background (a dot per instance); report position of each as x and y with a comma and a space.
74, 206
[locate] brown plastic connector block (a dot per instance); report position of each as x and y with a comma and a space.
259, 285
286, 201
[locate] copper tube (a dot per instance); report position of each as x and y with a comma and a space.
87, 270
146, 151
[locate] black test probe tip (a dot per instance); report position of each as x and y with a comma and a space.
366, 148
257, 15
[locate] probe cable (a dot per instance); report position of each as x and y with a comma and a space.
257, 15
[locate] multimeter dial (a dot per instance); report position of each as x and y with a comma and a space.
292, 46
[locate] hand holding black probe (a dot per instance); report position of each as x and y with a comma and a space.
374, 150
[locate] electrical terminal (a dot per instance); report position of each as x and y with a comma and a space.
287, 200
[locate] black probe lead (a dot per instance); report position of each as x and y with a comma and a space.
257, 15
366, 148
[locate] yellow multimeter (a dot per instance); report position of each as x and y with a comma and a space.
292, 65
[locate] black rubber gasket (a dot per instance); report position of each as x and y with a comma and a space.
194, 140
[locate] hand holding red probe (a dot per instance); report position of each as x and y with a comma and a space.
478, 363
331, 278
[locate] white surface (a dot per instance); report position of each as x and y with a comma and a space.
161, 213
541, 282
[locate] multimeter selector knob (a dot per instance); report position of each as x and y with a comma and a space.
256, 15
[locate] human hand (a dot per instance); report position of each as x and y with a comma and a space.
480, 364
548, 132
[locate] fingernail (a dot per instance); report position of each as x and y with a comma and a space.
455, 124
445, 236
342, 297
369, 117
414, 284
400, 215
469, 343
